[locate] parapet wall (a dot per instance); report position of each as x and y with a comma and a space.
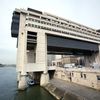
60, 94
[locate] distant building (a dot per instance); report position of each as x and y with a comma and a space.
50, 58
65, 61
84, 76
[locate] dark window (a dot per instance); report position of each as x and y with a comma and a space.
29, 24
72, 74
53, 64
81, 75
32, 25
98, 77
85, 76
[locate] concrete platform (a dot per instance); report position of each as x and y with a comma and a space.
77, 90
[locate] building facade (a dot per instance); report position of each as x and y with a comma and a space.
40, 33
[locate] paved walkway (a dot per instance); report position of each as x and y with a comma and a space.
87, 93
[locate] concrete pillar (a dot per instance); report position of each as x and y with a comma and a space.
22, 85
44, 79
93, 59
86, 60
21, 53
41, 56
97, 56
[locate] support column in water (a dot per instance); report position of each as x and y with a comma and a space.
22, 84
22, 53
44, 79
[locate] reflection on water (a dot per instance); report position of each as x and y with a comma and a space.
8, 88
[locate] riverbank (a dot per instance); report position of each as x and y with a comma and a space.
7, 65
64, 90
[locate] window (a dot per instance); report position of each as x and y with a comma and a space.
85, 76
72, 74
37, 21
25, 24
29, 24
98, 77
35, 26
81, 75
32, 25
30, 19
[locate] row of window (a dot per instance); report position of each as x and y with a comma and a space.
71, 27
59, 31
59, 20
82, 75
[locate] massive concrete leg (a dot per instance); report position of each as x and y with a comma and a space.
41, 56
87, 61
44, 79
21, 54
22, 85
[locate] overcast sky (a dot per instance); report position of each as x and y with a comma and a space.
86, 12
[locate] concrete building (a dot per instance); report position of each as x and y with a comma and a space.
65, 61
40, 33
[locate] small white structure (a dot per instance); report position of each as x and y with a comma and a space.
71, 65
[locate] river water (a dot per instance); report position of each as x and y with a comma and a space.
8, 88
